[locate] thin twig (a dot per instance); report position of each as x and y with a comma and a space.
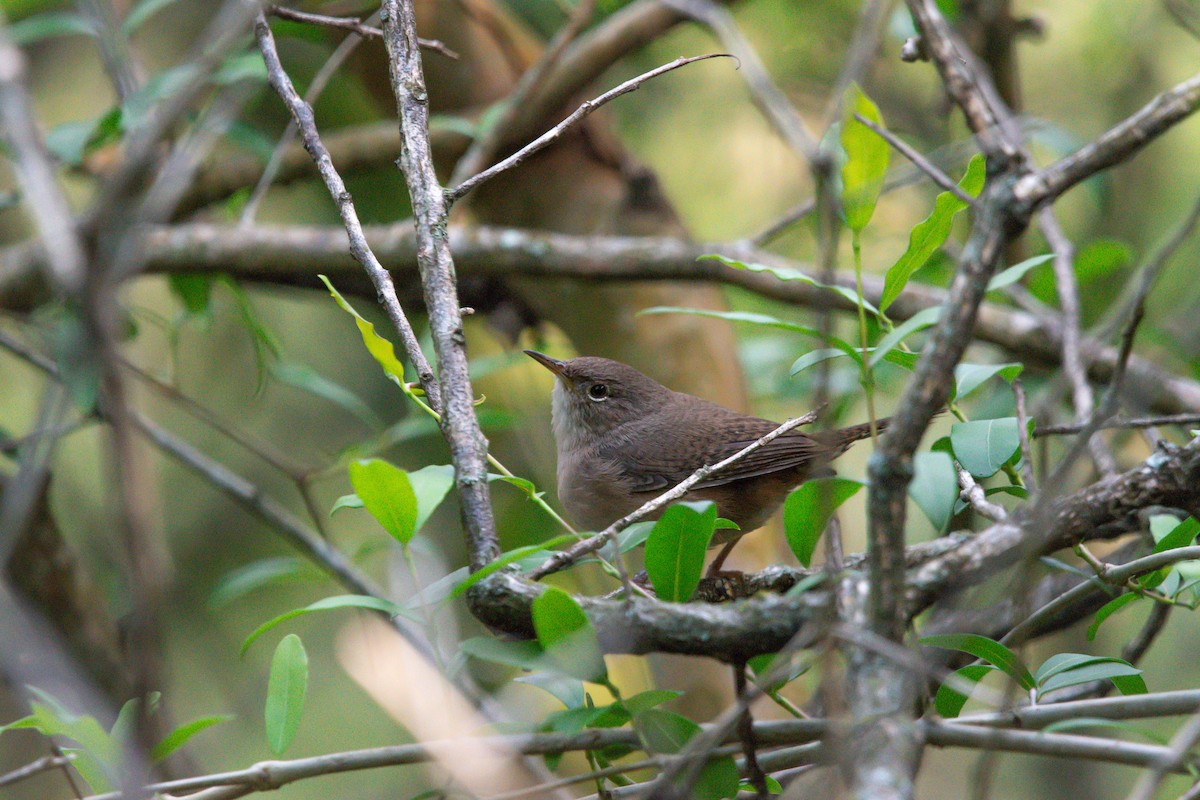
279, 153
43, 764
302, 114
919, 161
1023, 436
431, 216
354, 25
1181, 744
565, 558
1072, 354
1120, 422
973, 493
588, 106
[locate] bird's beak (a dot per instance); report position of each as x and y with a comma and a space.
552, 364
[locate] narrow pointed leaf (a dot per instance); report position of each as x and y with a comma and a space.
931, 233
866, 159
286, 687
987, 650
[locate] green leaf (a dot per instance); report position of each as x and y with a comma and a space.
814, 357
1107, 610
380, 348
917, 322
326, 604
180, 736
431, 484
643, 701
934, 487
286, 687
969, 377
986, 649
983, 446
506, 559
248, 66
521, 654
45, 26
866, 159
1015, 273
949, 702
664, 732
194, 293
762, 320
676, 547
634, 535
785, 274
307, 379
70, 142
388, 495
142, 12
719, 778
1182, 535
1072, 669
568, 638
345, 501
138, 106
807, 510
239, 582
930, 234
568, 691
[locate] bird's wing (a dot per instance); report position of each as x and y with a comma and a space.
665, 459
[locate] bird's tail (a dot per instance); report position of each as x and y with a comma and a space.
839, 441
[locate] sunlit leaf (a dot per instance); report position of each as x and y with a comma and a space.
931, 233
866, 163
387, 493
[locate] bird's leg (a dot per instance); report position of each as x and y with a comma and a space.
714, 569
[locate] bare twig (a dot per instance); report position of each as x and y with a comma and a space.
431, 213
1023, 436
302, 114
973, 493
43, 764
1072, 353
1181, 744
565, 558
1120, 422
353, 24
588, 106
1113, 146
925, 165
44, 199
279, 154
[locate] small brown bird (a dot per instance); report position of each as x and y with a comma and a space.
623, 438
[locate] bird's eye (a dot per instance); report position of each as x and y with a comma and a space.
598, 392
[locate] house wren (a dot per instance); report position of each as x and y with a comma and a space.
623, 438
